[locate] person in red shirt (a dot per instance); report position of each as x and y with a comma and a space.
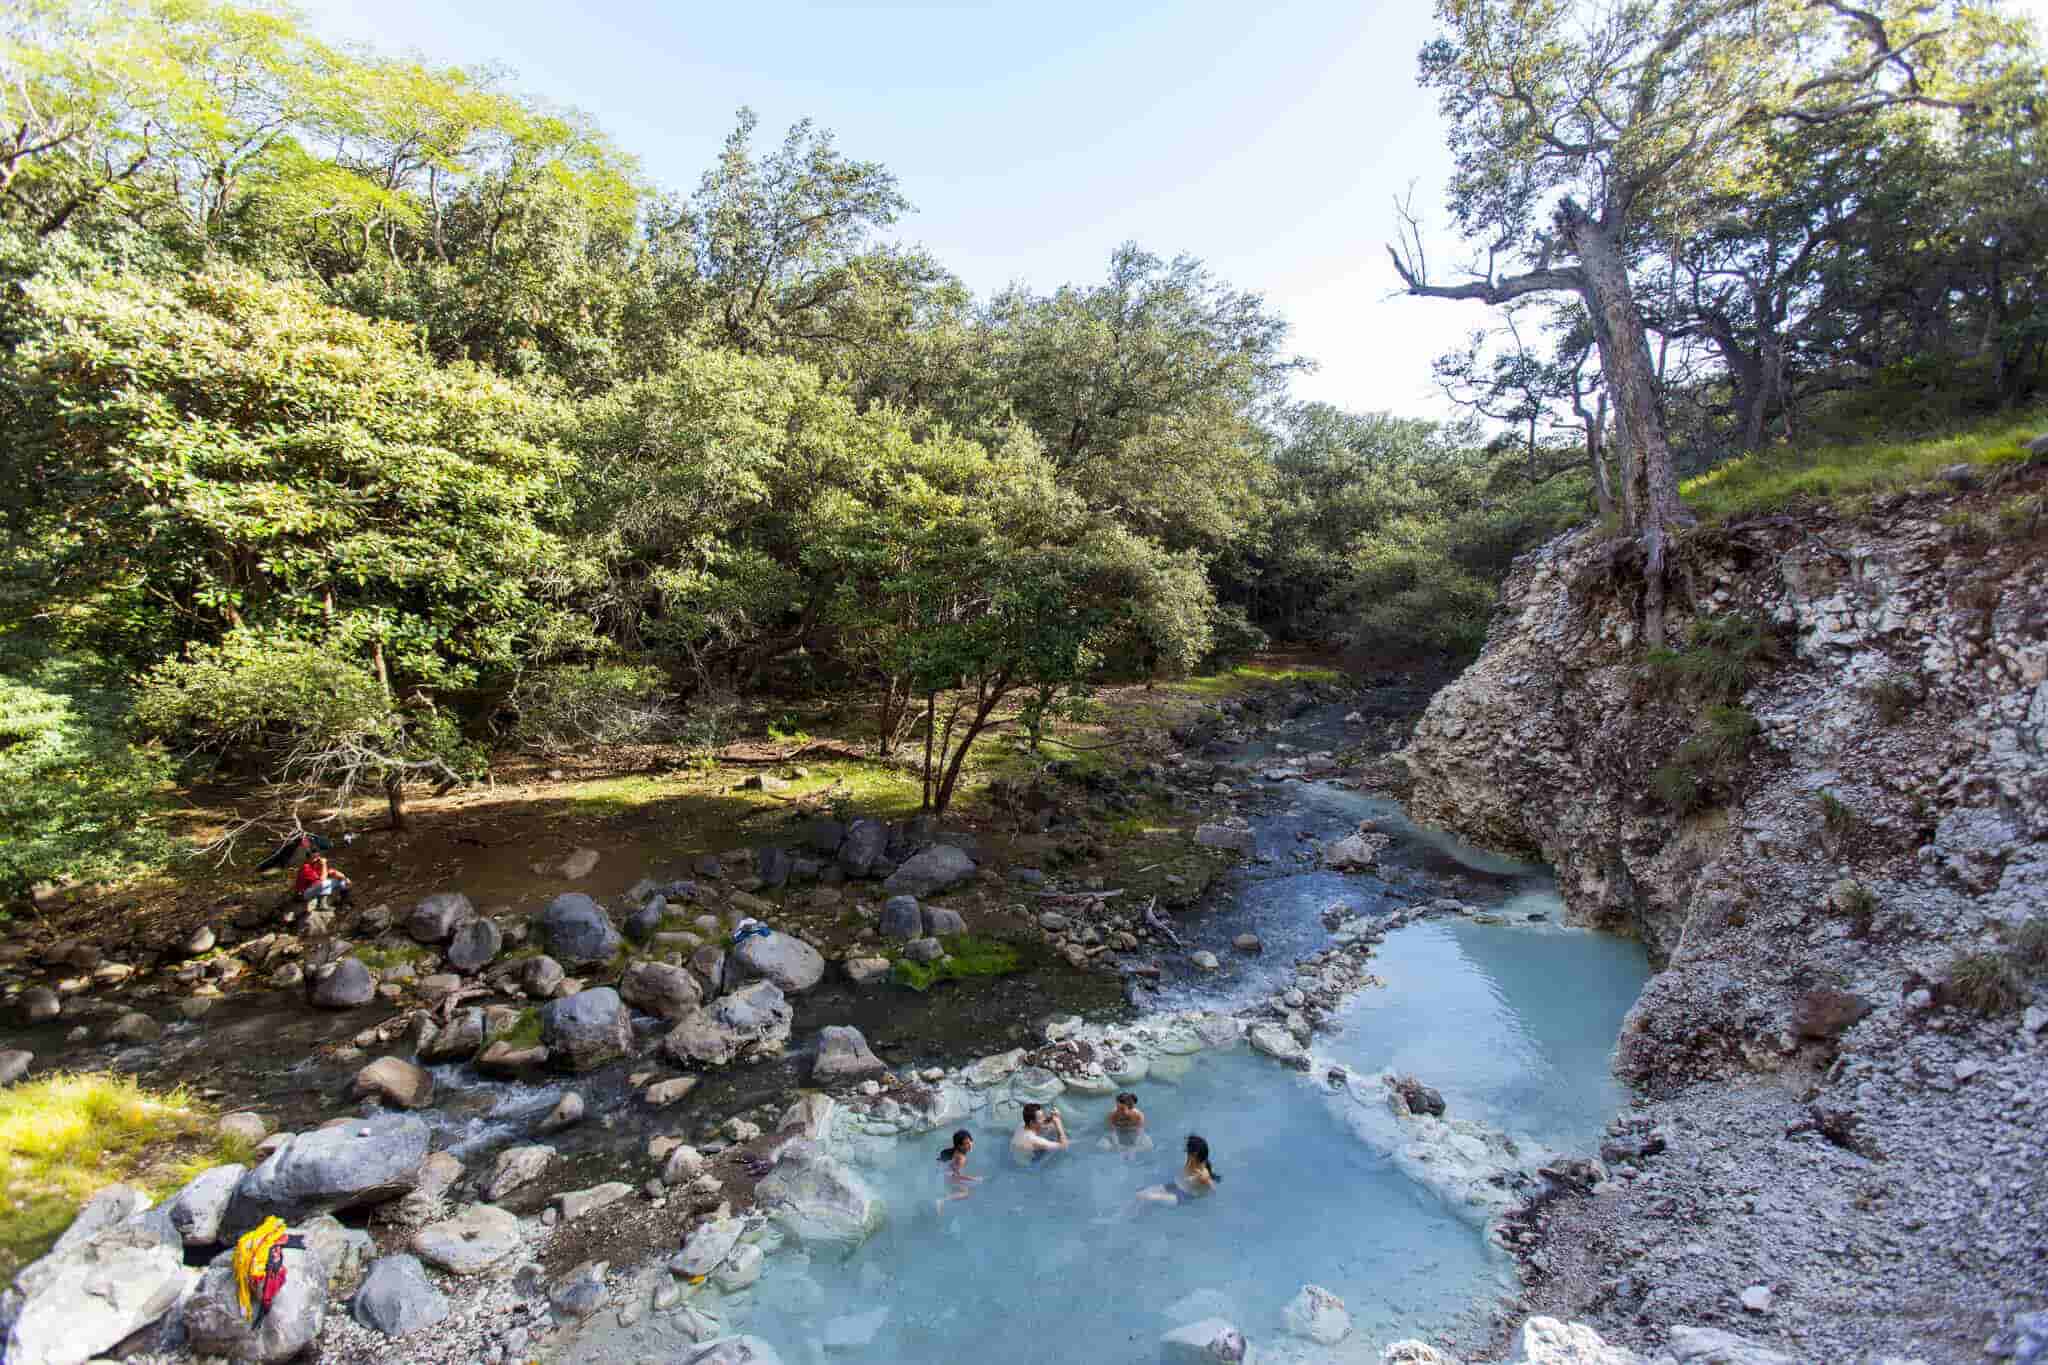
318, 878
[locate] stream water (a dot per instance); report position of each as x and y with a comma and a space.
1513, 1021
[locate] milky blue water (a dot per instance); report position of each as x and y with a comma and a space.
1513, 1022
1054, 1264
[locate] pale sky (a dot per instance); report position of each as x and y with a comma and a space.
1270, 140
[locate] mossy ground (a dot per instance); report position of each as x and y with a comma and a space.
967, 956
1789, 475
64, 1136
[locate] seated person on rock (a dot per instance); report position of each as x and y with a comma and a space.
1126, 1127
318, 880
1040, 1135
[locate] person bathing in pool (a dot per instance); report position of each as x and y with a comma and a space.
1196, 1179
1127, 1128
953, 1163
1040, 1135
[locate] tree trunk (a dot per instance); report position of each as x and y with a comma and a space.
394, 796
1603, 488
1649, 478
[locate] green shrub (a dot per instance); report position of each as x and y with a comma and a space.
1894, 696
1682, 788
79, 800
2030, 942
2022, 518
572, 706
1856, 903
1986, 983
1967, 528
1705, 760
966, 956
1722, 657
1837, 816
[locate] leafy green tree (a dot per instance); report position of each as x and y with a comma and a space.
1572, 126
786, 256
218, 452
320, 727
80, 799
1147, 391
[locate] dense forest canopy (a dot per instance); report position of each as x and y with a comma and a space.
362, 415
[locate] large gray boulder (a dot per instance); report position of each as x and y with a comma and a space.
459, 1039
817, 1200
930, 872
754, 1020
214, 1324
865, 842
577, 931
901, 918
350, 1166
824, 836
435, 919
119, 1268
940, 922
396, 1297
1212, 1341
587, 1029
515, 1168
843, 1055
197, 1210
539, 975
660, 988
792, 964
343, 985
14, 1064
481, 1237
474, 945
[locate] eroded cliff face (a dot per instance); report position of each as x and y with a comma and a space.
1836, 1145
1900, 743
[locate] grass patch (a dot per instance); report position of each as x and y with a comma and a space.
380, 957
1231, 682
1784, 476
968, 955
2030, 942
1703, 763
1856, 903
1837, 816
1985, 982
62, 1137
525, 1030
1723, 655
1893, 696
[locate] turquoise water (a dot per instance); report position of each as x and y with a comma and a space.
1514, 1024
1054, 1265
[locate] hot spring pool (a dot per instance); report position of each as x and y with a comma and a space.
1514, 1024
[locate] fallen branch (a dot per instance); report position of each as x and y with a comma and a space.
1079, 895
1158, 925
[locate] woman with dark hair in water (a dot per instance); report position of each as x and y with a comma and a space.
1196, 1178
953, 1163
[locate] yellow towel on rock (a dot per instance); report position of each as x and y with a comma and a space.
252, 1260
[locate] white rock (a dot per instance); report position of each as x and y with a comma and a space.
1757, 1298
1212, 1341
1317, 1314
854, 1331
1546, 1341
1711, 1346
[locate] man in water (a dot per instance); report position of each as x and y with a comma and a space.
1040, 1135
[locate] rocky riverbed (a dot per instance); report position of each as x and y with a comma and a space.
560, 1131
